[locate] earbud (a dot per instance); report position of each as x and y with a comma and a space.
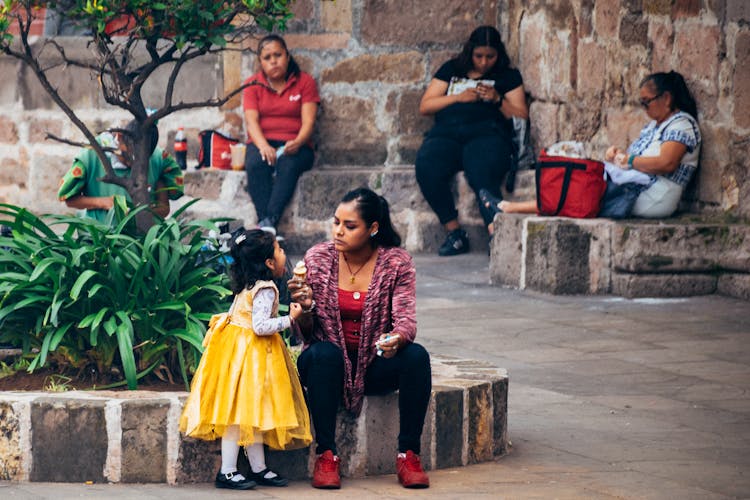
372, 235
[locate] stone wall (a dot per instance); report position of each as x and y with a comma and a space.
581, 61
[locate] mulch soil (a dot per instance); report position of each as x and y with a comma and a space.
41, 378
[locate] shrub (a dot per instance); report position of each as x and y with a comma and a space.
92, 295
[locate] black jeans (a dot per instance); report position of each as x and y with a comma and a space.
321, 368
482, 150
271, 188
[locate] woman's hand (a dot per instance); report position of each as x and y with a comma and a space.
389, 344
292, 147
612, 151
488, 93
300, 293
268, 154
469, 95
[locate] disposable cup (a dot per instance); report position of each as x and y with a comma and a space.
238, 156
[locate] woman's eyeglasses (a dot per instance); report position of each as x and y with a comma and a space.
647, 102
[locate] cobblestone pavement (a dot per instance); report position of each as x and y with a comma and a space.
609, 398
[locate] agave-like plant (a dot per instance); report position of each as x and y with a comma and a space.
86, 293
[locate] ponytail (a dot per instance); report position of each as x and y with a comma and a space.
674, 83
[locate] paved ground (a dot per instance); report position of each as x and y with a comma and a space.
609, 398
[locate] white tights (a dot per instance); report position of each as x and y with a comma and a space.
230, 449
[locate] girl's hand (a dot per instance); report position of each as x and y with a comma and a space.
268, 154
300, 293
295, 311
469, 95
389, 346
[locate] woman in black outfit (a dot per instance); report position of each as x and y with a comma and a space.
472, 97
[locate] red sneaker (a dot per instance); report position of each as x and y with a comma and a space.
410, 471
326, 473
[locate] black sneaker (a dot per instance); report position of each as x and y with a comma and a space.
456, 243
227, 481
261, 479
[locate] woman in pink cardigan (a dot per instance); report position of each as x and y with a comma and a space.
359, 333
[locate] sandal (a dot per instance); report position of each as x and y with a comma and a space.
491, 202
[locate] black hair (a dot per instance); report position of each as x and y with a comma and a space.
250, 249
674, 83
293, 68
131, 130
373, 208
484, 36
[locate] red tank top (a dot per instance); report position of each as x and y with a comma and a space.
351, 305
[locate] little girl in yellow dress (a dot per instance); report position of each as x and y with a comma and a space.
246, 389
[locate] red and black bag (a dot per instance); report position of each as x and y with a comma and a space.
569, 187
215, 150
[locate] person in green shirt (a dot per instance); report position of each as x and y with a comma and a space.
81, 188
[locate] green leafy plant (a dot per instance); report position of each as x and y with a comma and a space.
58, 383
85, 294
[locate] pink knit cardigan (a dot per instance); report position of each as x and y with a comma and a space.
390, 306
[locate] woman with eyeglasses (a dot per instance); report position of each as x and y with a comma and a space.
666, 152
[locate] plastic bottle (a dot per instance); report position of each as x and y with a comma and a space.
180, 148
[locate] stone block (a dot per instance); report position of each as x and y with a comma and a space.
336, 16
634, 30
11, 455
9, 86
413, 22
740, 79
607, 18
531, 57
544, 123
661, 34
382, 428
738, 10
591, 75
144, 441
321, 41
8, 130
399, 186
16, 172
319, 191
662, 285
697, 55
500, 415
566, 256
735, 285
409, 120
352, 136
350, 432
77, 87
686, 8
293, 464
657, 7
205, 183
405, 67
46, 172
190, 85
481, 419
449, 426
506, 250
407, 147
197, 461
39, 128
680, 247
54, 459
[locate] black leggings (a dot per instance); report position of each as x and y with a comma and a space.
271, 188
321, 368
481, 150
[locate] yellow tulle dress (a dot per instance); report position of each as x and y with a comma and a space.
246, 380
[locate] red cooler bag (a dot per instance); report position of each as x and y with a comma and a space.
569, 187
214, 150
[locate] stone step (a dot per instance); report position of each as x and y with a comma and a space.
132, 437
223, 193
633, 258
